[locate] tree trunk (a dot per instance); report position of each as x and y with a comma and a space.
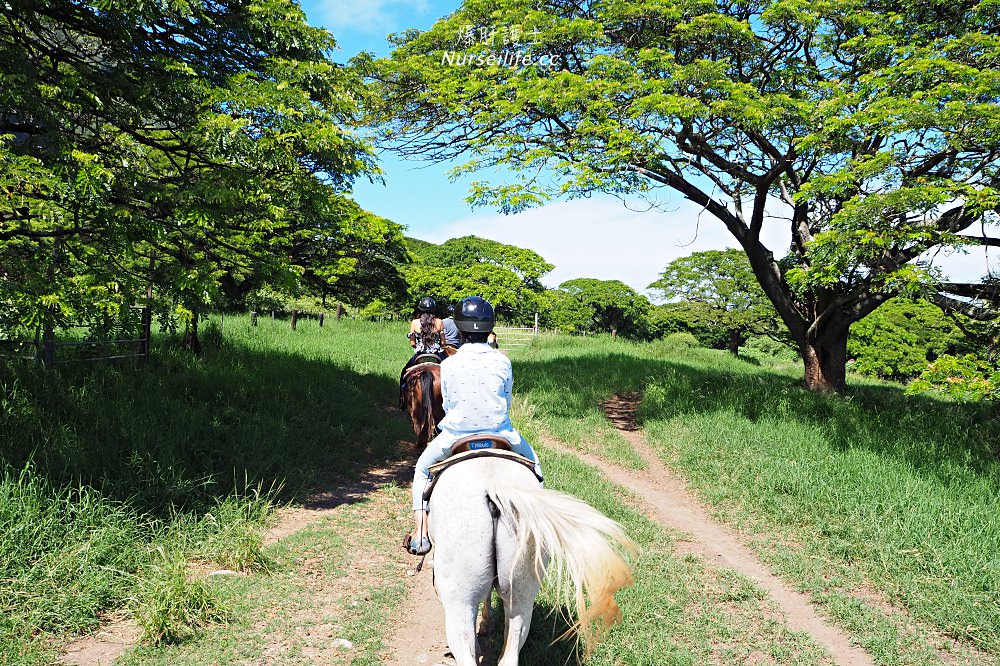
735, 340
191, 340
825, 362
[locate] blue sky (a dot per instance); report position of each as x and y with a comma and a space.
599, 237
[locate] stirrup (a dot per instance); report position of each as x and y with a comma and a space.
420, 547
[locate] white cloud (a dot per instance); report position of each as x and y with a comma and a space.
602, 238
365, 16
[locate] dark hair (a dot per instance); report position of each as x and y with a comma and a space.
427, 335
474, 337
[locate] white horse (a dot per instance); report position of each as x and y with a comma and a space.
492, 523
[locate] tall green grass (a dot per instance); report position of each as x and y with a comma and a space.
115, 476
112, 474
854, 496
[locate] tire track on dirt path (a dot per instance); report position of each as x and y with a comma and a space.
670, 503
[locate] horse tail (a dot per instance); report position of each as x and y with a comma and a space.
427, 404
584, 546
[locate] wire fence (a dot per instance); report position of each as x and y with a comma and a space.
48, 350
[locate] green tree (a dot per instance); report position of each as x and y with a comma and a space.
899, 339
506, 275
564, 312
613, 306
207, 138
876, 124
724, 284
965, 378
528, 265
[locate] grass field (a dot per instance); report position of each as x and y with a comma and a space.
116, 477
860, 499
114, 473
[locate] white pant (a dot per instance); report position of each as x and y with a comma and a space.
439, 448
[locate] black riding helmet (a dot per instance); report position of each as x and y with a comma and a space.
426, 304
474, 315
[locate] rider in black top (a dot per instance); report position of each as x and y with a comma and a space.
426, 337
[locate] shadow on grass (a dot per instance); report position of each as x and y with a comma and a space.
930, 435
178, 433
541, 647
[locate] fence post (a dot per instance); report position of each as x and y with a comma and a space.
147, 312
340, 311
321, 315
48, 345
295, 319
147, 325
535, 332
253, 317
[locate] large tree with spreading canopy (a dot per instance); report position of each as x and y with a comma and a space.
201, 145
721, 291
507, 276
869, 129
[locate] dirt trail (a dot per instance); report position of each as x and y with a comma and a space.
115, 637
670, 503
419, 629
419, 636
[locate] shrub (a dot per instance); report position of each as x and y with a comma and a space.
900, 338
966, 378
169, 605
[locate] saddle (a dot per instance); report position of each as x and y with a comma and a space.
418, 368
426, 358
475, 446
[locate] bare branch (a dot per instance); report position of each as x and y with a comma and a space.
951, 305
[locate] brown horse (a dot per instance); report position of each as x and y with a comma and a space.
422, 399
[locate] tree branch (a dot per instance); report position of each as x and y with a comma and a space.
976, 290
951, 305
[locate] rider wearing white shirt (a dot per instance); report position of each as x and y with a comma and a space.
476, 389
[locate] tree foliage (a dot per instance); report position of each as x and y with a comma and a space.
965, 378
207, 138
466, 251
875, 124
899, 339
724, 286
607, 306
505, 275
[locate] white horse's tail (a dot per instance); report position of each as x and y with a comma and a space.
585, 548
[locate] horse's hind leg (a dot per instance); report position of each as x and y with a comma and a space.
463, 571
518, 588
460, 629
460, 599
